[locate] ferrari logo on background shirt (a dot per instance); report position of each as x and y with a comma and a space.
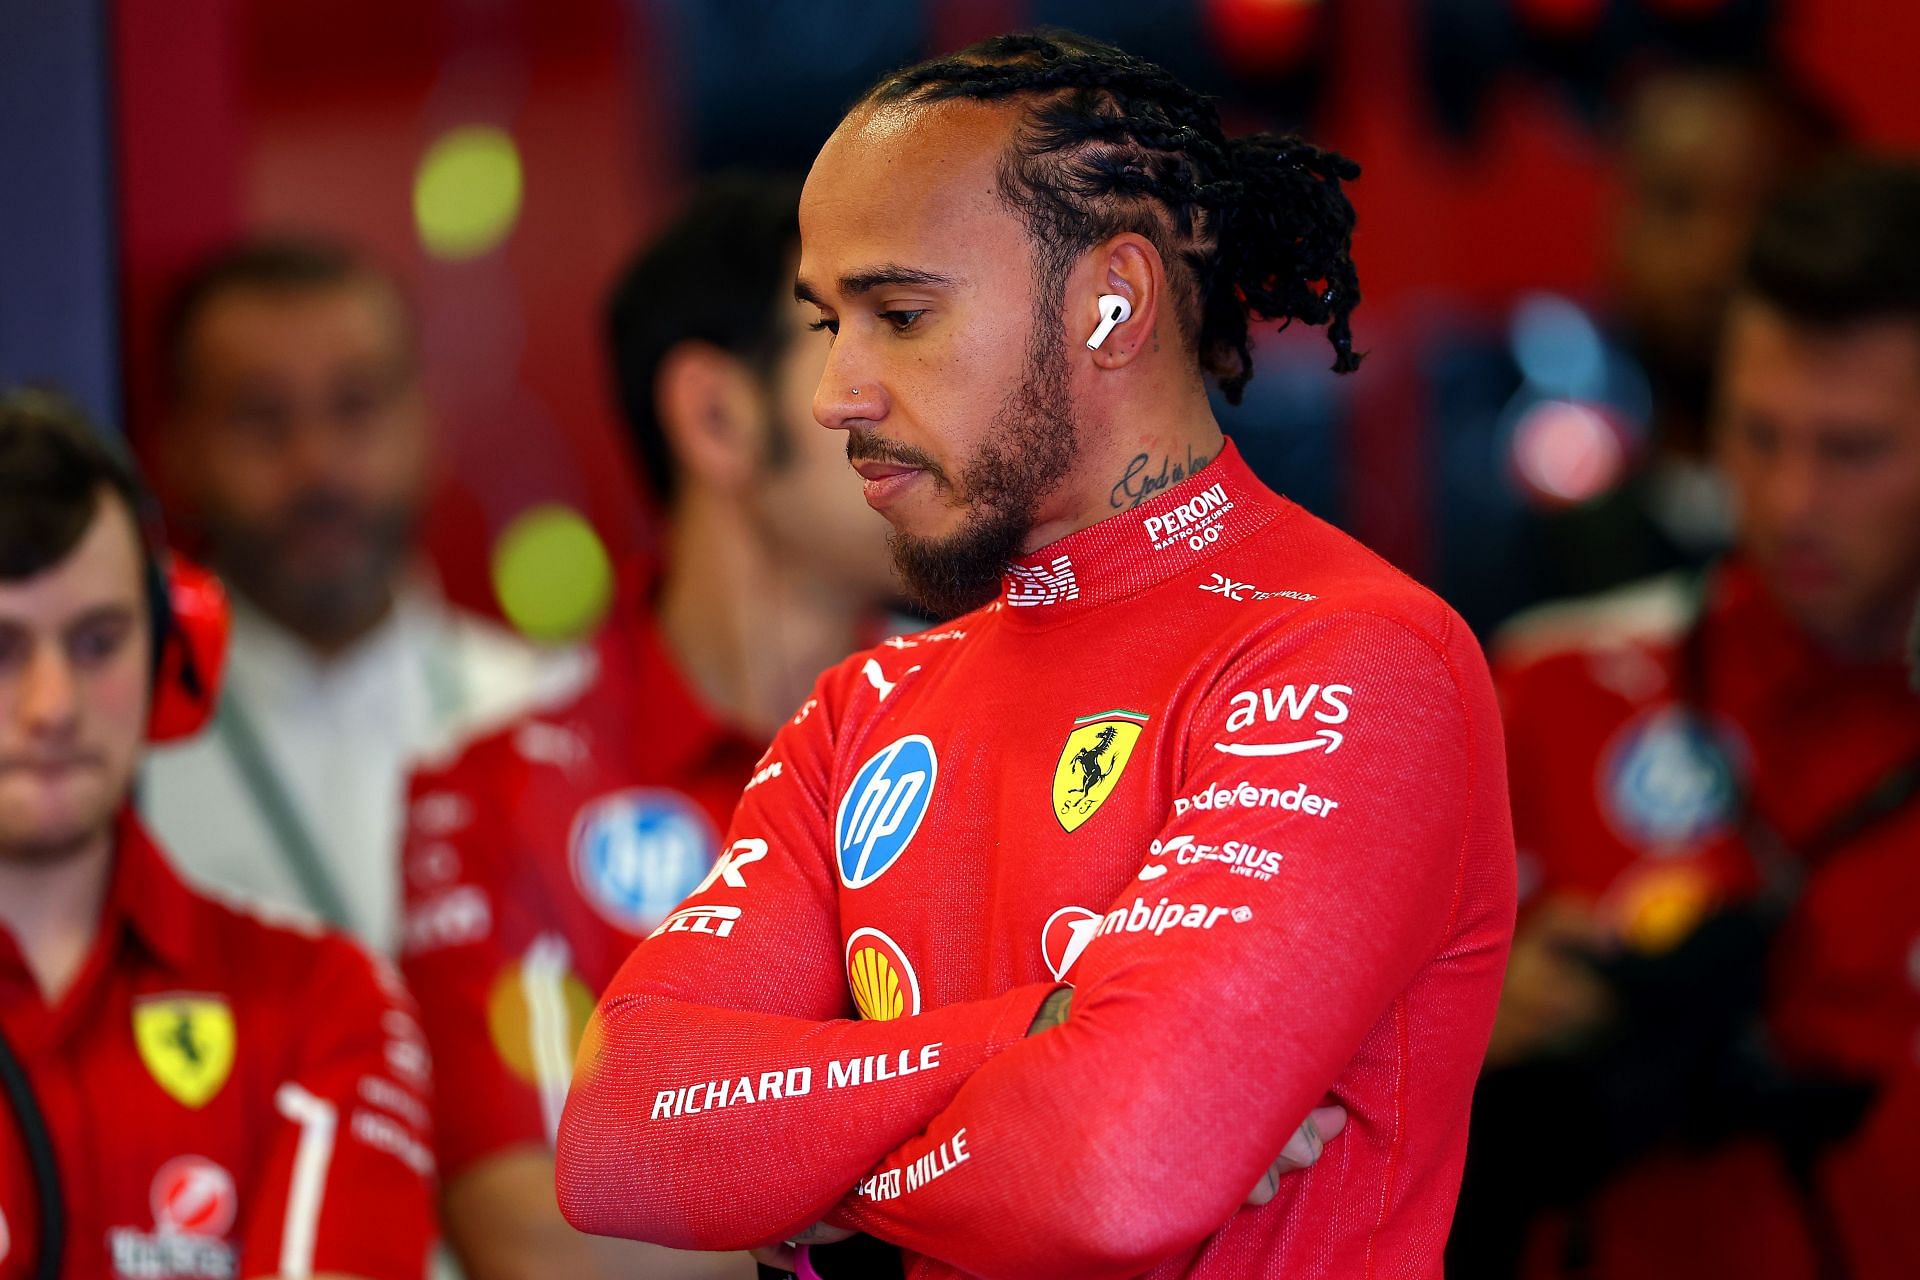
1090, 764
187, 1044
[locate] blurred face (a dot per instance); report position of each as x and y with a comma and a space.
1820, 436
1703, 156
952, 393
303, 446
74, 672
807, 500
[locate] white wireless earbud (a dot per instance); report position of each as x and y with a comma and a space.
1114, 310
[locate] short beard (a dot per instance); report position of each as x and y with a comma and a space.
324, 611
1031, 445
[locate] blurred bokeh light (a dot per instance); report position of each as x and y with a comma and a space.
552, 574
466, 196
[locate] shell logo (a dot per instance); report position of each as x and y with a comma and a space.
194, 1196
884, 984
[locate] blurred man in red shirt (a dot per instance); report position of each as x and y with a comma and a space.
1716, 789
194, 1092
540, 857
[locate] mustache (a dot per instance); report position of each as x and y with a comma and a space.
317, 508
866, 447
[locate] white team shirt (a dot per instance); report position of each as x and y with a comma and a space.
337, 737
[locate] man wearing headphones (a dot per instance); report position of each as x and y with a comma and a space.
193, 1092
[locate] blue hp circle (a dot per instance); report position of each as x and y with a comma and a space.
882, 809
1669, 781
636, 854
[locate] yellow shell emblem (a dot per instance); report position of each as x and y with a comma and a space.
1091, 763
187, 1044
881, 977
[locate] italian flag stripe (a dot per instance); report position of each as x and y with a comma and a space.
1140, 716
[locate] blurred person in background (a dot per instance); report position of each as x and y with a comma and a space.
538, 859
193, 1091
1701, 151
1698, 152
298, 446
1716, 788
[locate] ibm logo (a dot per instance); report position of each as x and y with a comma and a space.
1042, 584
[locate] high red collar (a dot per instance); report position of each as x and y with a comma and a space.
1169, 534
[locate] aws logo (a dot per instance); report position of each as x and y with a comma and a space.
1325, 703
882, 809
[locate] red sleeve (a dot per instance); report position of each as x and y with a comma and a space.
347, 1182
462, 943
723, 1096
1227, 988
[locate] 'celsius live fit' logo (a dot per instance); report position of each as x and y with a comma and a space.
1091, 762
1292, 702
1240, 858
883, 807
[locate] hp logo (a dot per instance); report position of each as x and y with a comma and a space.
883, 808
637, 853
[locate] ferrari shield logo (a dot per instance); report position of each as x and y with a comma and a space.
1090, 764
187, 1043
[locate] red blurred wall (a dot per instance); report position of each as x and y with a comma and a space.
314, 113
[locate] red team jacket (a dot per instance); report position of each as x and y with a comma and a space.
535, 860
225, 1097
1617, 804
1209, 761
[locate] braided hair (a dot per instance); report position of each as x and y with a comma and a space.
1250, 228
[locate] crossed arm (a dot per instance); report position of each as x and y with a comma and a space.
702, 1126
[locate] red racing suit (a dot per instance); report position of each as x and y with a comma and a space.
1617, 805
533, 863
225, 1097
1209, 761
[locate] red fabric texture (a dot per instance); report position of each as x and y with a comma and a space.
512, 926
158, 1186
1605, 814
1315, 782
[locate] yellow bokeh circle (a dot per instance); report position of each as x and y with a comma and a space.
551, 573
466, 194
516, 1020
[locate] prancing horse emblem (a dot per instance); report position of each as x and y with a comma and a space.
1091, 762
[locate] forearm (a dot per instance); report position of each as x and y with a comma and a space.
1058, 1157
705, 1128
